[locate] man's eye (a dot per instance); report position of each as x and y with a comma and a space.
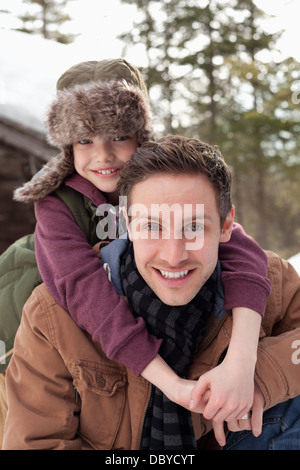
194, 227
152, 227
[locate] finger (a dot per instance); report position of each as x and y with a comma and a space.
198, 391
244, 424
256, 420
211, 409
230, 413
233, 425
219, 433
244, 412
224, 414
199, 406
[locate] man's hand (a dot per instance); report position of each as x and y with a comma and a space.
231, 388
254, 423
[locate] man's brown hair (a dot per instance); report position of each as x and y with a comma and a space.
179, 155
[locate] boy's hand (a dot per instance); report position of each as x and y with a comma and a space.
179, 391
162, 376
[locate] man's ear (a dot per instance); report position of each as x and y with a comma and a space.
125, 215
228, 226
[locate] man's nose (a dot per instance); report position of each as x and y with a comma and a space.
173, 251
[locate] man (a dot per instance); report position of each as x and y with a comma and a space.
64, 393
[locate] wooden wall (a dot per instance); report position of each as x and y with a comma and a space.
22, 154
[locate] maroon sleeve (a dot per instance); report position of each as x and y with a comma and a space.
74, 275
244, 272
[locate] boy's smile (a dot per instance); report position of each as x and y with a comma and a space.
108, 172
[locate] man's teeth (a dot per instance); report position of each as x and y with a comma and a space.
106, 172
172, 275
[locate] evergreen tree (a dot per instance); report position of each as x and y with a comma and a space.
264, 138
45, 17
208, 78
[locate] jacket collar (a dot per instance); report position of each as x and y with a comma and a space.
83, 186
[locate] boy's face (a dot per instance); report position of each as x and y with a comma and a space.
175, 228
100, 161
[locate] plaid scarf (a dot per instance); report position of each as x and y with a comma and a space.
168, 425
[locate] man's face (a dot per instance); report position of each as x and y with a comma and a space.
172, 263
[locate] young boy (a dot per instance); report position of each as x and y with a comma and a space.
100, 116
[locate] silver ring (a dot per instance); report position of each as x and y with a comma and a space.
246, 416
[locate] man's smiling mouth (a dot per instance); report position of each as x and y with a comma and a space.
174, 275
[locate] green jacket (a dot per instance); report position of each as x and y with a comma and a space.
19, 274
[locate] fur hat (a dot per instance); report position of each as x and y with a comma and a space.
106, 98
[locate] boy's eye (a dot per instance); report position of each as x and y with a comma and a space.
122, 137
85, 141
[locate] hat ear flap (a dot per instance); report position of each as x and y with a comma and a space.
49, 178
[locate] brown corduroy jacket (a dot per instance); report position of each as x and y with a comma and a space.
64, 393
